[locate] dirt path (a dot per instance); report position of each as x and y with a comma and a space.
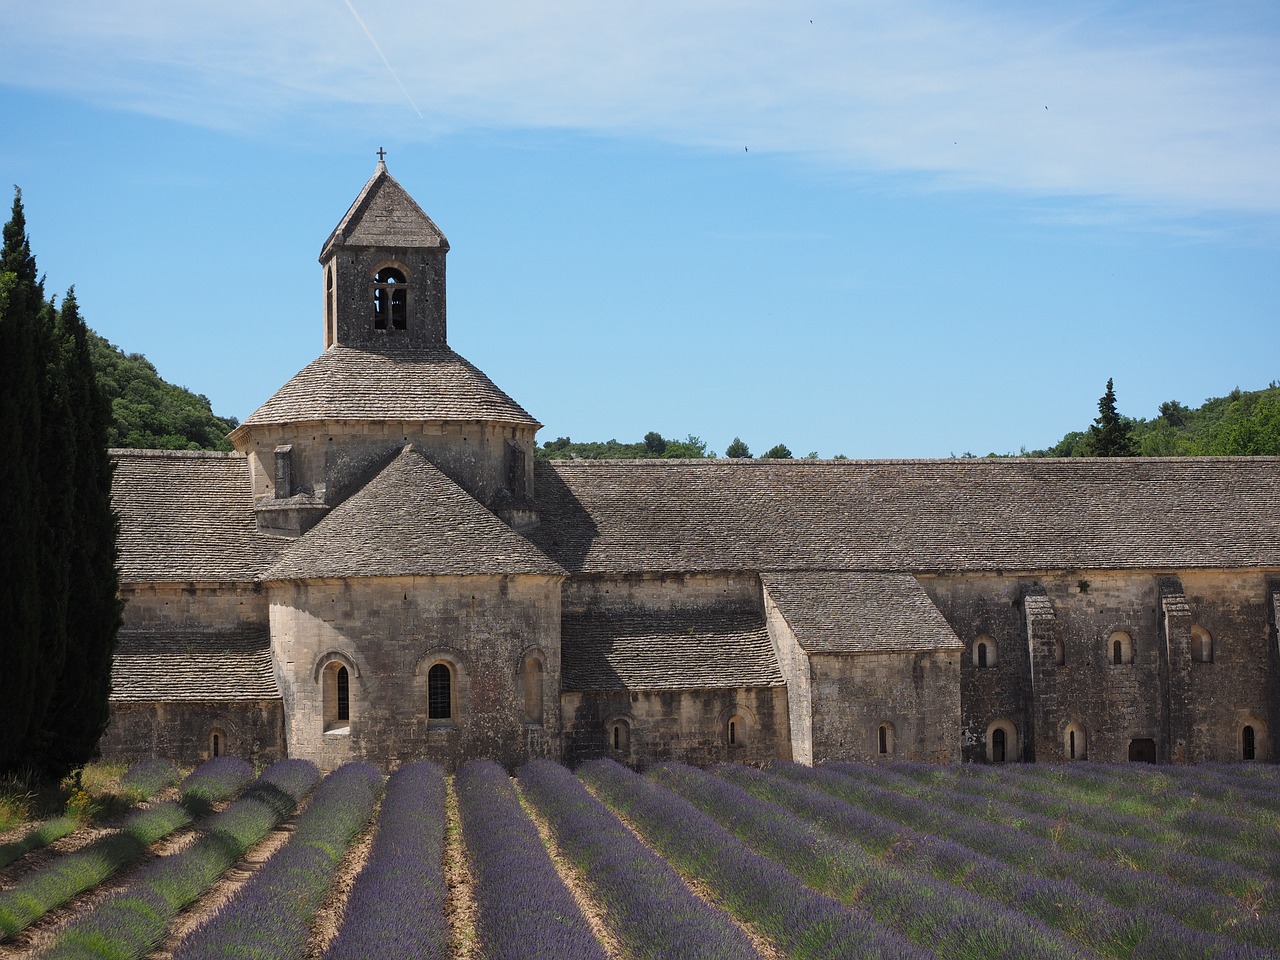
42, 934
240, 873
574, 880
329, 917
460, 908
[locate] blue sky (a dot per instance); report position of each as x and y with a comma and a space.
881, 229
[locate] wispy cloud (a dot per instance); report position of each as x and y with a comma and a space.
1165, 105
395, 76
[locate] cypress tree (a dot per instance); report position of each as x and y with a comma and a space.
1110, 435
78, 714
27, 671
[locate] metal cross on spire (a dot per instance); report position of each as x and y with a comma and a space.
382, 155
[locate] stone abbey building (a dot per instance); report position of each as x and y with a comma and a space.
382, 571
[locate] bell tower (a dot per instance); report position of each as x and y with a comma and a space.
384, 272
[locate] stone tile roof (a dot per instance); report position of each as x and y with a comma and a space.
845, 612
670, 650
910, 515
187, 516
347, 383
384, 215
409, 520
187, 666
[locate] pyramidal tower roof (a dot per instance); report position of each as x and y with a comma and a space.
384, 215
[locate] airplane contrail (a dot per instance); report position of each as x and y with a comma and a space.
384, 59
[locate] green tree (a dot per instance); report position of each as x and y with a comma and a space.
654, 444
738, 450
27, 672
778, 452
79, 709
1111, 435
57, 535
36, 415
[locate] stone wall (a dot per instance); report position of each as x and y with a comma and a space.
991, 608
203, 608
1159, 694
663, 591
183, 731
388, 633
331, 459
691, 726
915, 695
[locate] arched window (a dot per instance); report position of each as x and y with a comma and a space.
884, 738
390, 299
1059, 652
440, 692
736, 730
1120, 648
985, 653
1074, 743
531, 679
337, 697
619, 735
217, 742
1201, 645
1248, 743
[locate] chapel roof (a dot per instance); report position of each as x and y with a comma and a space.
409, 520
850, 612
232, 664
666, 650
909, 515
384, 215
187, 516
347, 383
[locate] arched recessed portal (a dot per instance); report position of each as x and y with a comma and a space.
1074, 742
619, 730
1002, 741
1201, 645
1120, 648
884, 739
985, 651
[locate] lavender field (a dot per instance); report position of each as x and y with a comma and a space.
845, 860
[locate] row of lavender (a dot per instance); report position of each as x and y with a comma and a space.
1089, 839
65, 877
900, 861
1093, 904
1221, 819
140, 783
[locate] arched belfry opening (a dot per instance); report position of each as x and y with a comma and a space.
390, 299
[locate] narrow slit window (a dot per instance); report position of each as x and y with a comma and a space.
1248, 743
344, 695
